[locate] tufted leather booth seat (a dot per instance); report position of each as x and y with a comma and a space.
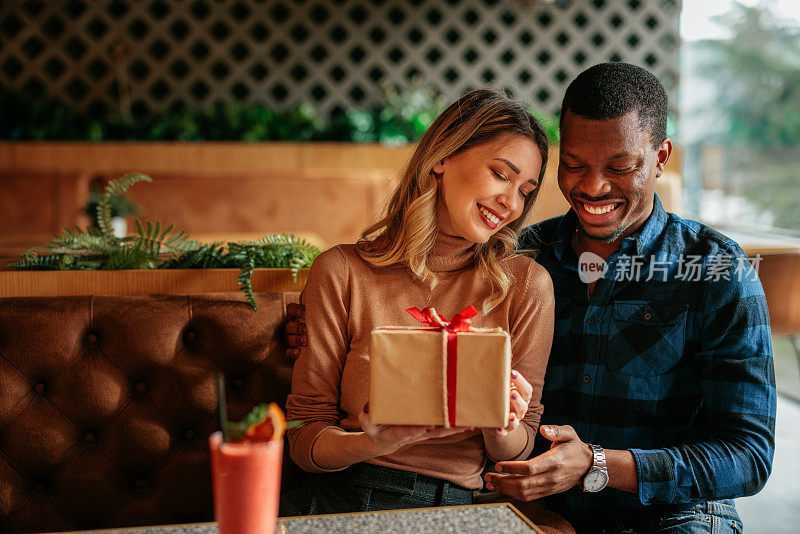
106, 403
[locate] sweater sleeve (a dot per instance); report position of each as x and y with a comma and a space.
316, 378
531, 321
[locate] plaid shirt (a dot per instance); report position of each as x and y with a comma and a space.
677, 369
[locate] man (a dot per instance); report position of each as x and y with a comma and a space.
662, 355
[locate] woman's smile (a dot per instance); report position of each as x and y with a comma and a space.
489, 217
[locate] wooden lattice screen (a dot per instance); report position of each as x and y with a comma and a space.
331, 53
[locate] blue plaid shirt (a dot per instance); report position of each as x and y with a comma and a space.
670, 358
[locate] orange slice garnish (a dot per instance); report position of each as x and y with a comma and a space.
270, 428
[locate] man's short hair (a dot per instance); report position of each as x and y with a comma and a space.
610, 90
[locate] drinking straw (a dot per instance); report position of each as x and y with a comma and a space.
222, 406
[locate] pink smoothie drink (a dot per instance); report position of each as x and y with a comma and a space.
247, 479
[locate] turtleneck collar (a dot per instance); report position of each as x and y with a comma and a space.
450, 253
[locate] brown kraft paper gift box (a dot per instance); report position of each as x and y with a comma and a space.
446, 375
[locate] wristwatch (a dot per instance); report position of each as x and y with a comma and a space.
597, 477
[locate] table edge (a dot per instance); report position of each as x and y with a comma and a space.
185, 525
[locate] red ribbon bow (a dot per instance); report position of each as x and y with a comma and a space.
460, 322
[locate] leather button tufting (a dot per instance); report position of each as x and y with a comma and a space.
39, 388
189, 337
39, 488
88, 437
238, 383
189, 435
141, 484
91, 339
141, 387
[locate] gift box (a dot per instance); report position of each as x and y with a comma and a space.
445, 374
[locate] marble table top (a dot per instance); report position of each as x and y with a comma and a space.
501, 518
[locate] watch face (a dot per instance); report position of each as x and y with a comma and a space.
595, 480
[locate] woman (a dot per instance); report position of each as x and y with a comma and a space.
447, 240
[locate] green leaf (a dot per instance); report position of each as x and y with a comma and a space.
236, 430
115, 188
155, 247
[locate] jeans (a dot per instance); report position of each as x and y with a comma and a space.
365, 487
707, 517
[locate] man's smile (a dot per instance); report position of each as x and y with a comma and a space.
599, 213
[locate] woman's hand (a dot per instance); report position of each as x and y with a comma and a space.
521, 392
389, 438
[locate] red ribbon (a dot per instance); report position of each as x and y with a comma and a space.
460, 322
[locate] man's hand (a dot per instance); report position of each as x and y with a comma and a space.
557, 470
295, 330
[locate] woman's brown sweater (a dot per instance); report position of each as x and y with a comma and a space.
346, 297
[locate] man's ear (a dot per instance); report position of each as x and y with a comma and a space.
663, 152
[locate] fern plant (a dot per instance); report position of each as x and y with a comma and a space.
99, 249
158, 247
283, 250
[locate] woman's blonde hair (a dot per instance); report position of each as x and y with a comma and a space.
407, 230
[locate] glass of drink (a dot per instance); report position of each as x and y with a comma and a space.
246, 478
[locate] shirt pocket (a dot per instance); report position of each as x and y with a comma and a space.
646, 338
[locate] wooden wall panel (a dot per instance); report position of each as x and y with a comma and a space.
326, 192
780, 277
27, 204
199, 158
333, 206
39, 203
142, 282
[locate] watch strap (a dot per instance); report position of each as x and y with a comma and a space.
598, 466
599, 457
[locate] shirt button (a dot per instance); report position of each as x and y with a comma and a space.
590, 320
586, 379
648, 316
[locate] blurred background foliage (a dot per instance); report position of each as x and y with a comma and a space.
757, 73
401, 117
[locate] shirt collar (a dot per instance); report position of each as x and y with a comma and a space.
566, 227
646, 237
642, 241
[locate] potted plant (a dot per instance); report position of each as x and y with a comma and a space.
121, 206
98, 248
